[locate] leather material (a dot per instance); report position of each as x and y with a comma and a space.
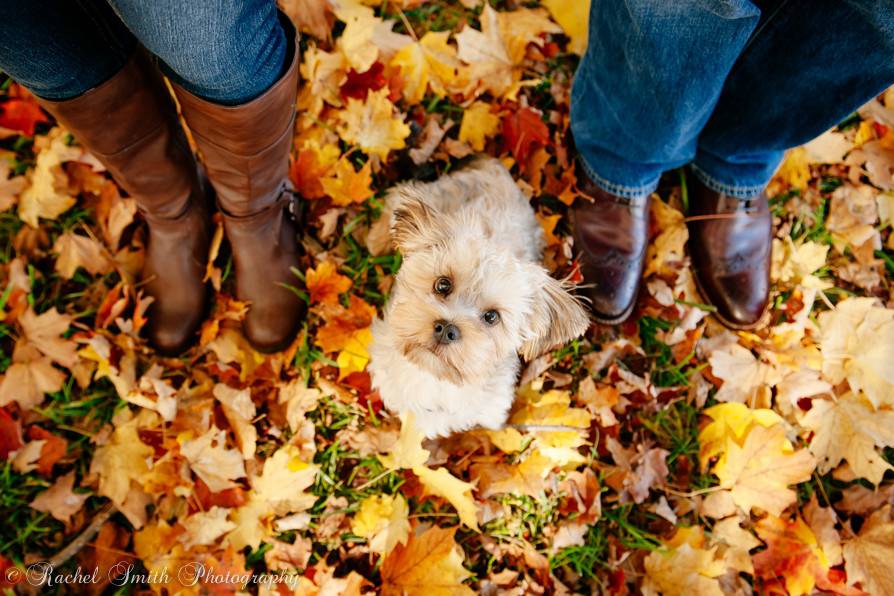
730, 246
611, 234
245, 150
130, 124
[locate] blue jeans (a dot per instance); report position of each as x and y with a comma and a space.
226, 51
727, 85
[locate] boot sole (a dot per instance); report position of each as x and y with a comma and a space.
723, 320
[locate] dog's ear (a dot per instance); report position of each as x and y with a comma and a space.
414, 225
557, 316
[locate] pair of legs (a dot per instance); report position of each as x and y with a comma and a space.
233, 65
726, 86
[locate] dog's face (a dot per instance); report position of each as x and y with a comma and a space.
462, 303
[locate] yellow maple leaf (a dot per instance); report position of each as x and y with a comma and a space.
429, 564
683, 567
212, 461
48, 196
284, 478
354, 356
758, 472
730, 419
795, 170
429, 62
850, 429
373, 125
382, 520
407, 451
520, 27
668, 248
442, 483
347, 186
573, 16
250, 519
120, 461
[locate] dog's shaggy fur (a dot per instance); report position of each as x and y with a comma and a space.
475, 228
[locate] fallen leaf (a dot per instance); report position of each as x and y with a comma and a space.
382, 520
759, 471
850, 429
77, 251
210, 459
373, 125
867, 558
430, 563
59, 500
857, 344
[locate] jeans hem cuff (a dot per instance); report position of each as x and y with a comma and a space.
619, 190
733, 190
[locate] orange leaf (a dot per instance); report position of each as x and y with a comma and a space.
21, 115
347, 186
429, 564
325, 283
341, 323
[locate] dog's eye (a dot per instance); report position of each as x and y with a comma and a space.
443, 286
491, 317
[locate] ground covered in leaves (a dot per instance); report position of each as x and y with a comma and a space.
666, 455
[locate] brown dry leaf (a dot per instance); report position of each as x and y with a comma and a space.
43, 332
77, 251
59, 500
867, 558
210, 459
430, 564
310, 16
10, 188
29, 377
239, 410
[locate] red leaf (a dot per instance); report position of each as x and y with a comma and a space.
21, 115
10, 434
52, 451
359, 84
524, 131
231, 497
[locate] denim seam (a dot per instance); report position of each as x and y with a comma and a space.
736, 191
620, 190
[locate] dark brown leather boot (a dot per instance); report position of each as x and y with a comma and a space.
245, 150
729, 244
611, 234
130, 124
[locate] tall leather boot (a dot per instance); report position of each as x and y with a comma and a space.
245, 150
130, 124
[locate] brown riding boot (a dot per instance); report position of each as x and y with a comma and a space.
611, 234
729, 244
245, 150
130, 124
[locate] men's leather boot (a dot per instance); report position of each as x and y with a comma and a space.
729, 244
611, 234
130, 124
245, 150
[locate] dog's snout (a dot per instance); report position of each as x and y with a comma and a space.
446, 332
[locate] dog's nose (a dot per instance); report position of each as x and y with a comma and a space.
446, 332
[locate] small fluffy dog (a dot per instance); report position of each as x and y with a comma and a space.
469, 297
